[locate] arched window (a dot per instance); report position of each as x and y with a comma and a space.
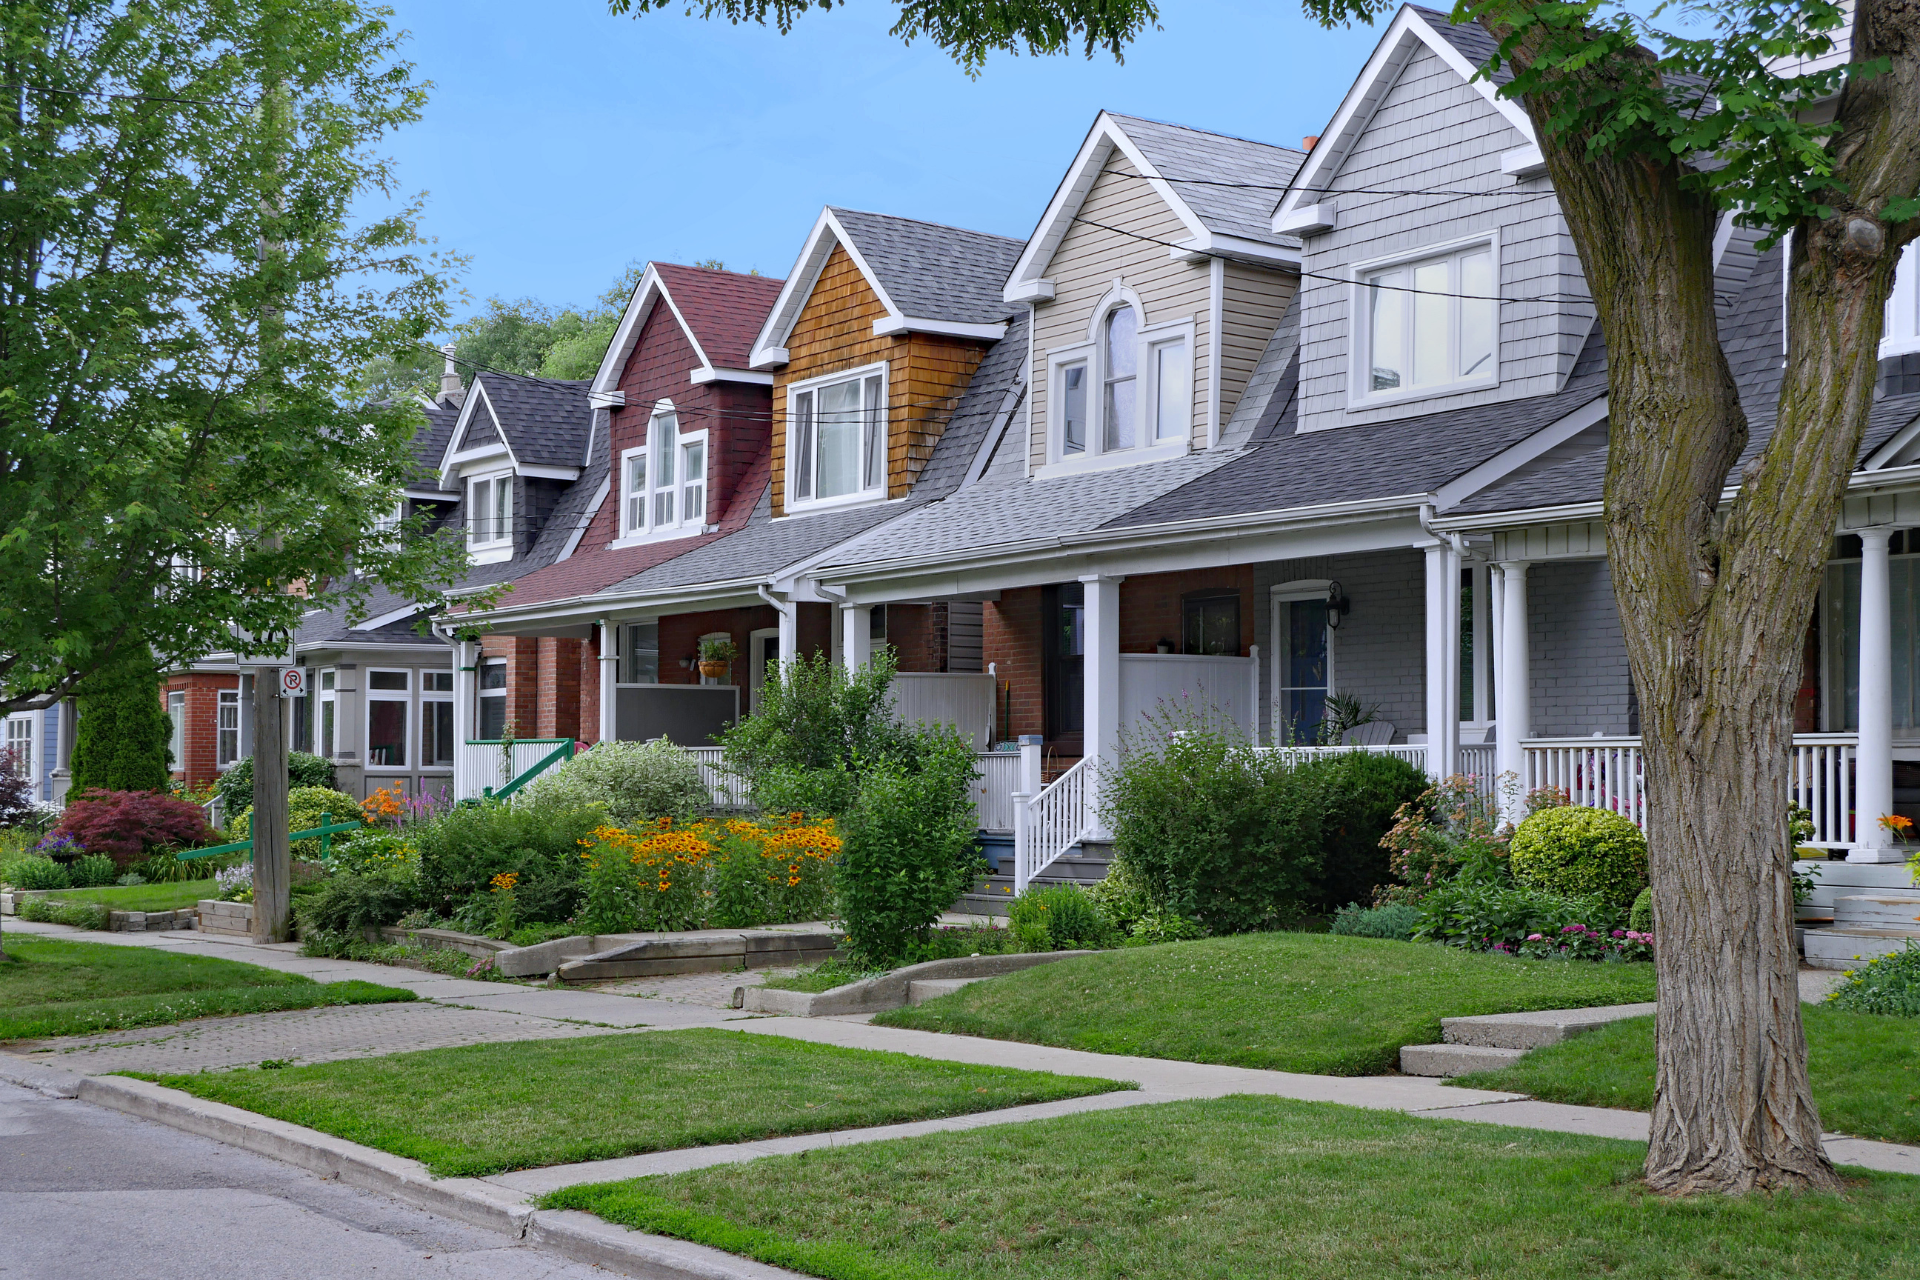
1122, 376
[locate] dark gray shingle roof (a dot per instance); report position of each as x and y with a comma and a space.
934, 272
1197, 164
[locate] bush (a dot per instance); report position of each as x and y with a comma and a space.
127, 825
908, 848
1888, 985
724, 875
16, 789
1395, 920
1219, 834
93, 871
1059, 918
1578, 851
121, 735
1451, 831
351, 904
633, 782
1640, 917
306, 806
1360, 794
38, 873
235, 786
370, 851
78, 915
1488, 917
818, 731
461, 850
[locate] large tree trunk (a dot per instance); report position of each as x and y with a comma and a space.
1714, 604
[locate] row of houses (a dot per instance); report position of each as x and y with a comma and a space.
1245, 424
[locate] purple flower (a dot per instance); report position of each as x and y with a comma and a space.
1619, 933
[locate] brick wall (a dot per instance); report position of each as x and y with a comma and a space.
1151, 605
557, 687
918, 634
589, 677
1011, 638
201, 722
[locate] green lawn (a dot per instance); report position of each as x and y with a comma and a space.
144, 897
1319, 1003
53, 987
1255, 1187
1865, 1069
482, 1109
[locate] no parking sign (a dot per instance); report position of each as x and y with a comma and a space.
293, 682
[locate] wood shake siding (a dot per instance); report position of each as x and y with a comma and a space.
926, 373
1084, 268
1254, 301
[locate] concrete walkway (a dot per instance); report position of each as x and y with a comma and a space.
517, 1013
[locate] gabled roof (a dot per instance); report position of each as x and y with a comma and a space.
1464, 47
544, 423
1221, 188
719, 311
930, 278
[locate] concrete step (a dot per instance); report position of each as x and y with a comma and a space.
1534, 1030
1839, 948
1876, 911
922, 990
1454, 1059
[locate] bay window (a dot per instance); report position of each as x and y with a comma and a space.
1430, 325
663, 483
389, 698
837, 438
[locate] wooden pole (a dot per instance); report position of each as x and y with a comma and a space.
272, 860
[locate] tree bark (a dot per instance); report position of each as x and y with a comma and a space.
1714, 602
272, 859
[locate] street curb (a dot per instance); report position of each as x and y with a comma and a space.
51, 1081
580, 1237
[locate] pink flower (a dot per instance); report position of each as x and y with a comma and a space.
1533, 937
1619, 933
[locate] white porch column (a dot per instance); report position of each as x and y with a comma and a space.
1873, 759
1100, 670
609, 680
856, 635
1510, 695
466, 689
1443, 660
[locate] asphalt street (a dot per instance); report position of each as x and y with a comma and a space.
86, 1192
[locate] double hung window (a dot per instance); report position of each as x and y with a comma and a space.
327, 705
490, 511
640, 653
492, 717
1129, 389
1431, 324
20, 743
227, 728
436, 718
389, 698
837, 438
663, 483
177, 727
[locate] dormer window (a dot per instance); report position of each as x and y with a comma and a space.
1428, 326
837, 438
663, 483
490, 512
1125, 396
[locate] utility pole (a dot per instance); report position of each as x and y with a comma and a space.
272, 858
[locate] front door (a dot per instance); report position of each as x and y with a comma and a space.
1063, 665
1301, 692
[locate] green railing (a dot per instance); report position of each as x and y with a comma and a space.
561, 753
325, 831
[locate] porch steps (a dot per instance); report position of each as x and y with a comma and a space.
1492, 1040
1083, 865
1874, 908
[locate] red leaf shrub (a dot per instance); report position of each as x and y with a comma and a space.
126, 825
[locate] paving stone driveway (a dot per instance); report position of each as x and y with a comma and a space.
715, 990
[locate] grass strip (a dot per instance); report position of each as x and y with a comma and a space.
119, 1013
1316, 1003
1865, 1070
40, 971
144, 897
482, 1109
1255, 1187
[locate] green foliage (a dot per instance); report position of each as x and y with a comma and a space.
235, 787
1889, 985
1395, 920
1059, 918
611, 899
189, 287
462, 850
305, 807
38, 873
1579, 850
818, 731
1360, 794
121, 734
1640, 915
78, 915
373, 851
93, 871
1127, 902
1481, 916
1218, 833
633, 782
908, 848
1450, 832
351, 904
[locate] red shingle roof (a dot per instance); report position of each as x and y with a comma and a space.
724, 308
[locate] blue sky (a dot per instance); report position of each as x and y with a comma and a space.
562, 142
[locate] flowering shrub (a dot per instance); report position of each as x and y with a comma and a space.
633, 782
372, 852
388, 806
1450, 831
305, 807
234, 884
1577, 942
1888, 985
125, 825
1491, 917
16, 788
723, 874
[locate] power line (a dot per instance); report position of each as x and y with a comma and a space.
127, 97
1369, 191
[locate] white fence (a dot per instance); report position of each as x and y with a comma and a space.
963, 699
729, 789
993, 789
1414, 753
484, 764
1223, 685
1609, 773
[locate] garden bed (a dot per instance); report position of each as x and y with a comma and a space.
1253, 1186
483, 1109
1317, 1003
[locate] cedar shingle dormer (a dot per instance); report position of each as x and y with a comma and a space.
911, 305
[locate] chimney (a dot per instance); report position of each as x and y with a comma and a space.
450, 389
1309, 142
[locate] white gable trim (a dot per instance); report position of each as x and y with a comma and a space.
1408, 33
386, 619
1028, 283
1518, 455
770, 347
586, 518
651, 290
476, 396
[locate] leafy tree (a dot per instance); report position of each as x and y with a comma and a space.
819, 730
120, 740
186, 286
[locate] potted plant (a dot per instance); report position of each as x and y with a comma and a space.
716, 655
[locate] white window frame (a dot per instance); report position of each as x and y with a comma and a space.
177, 734
408, 727
1147, 445
865, 493
623, 668
1360, 395
1903, 306
643, 502
326, 715
481, 693
497, 546
1301, 591
222, 758
436, 697
23, 728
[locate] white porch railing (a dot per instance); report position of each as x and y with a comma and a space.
484, 764
1054, 822
993, 789
1226, 686
1477, 760
963, 699
728, 789
1414, 753
1608, 773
